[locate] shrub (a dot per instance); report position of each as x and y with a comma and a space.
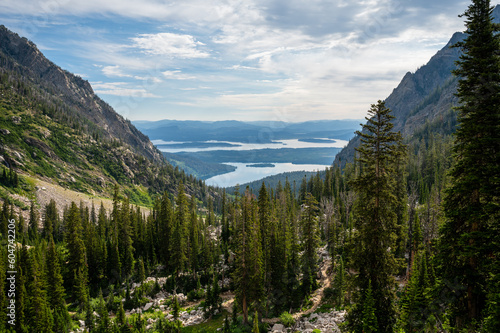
287, 319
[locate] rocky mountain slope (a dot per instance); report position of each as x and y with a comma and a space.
53, 127
423, 99
23, 57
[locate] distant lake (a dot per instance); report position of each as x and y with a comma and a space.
256, 169
226, 145
245, 173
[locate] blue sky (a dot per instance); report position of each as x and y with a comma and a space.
285, 60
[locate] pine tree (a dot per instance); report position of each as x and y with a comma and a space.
50, 220
21, 294
104, 323
370, 324
33, 222
193, 236
120, 316
310, 240
39, 316
178, 257
248, 274
165, 229
339, 282
255, 328
114, 266
141, 274
266, 232
469, 237
55, 289
125, 239
375, 217
77, 260
293, 263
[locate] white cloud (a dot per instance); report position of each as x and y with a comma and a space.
116, 71
292, 58
121, 89
169, 44
177, 75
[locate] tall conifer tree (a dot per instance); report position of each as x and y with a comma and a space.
310, 240
375, 218
55, 289
77, 260
470, 235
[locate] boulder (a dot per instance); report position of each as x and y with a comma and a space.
148, 306
308, 326
278, 328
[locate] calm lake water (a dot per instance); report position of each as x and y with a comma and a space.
244, 174
292, 143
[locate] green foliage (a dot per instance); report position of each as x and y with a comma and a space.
369, 319
248, 275
255, 328
213, 301
471, 204
287, 319
379, 154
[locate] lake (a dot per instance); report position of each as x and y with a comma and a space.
227, 145
245, 172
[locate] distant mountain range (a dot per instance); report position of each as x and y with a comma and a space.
248, 132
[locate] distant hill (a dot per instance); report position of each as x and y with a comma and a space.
248, 132
295, 179
54, 127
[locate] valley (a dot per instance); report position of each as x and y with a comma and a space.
149, 226
279, 147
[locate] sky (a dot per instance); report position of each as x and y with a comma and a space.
276, 60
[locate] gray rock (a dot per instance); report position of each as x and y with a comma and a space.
148, 306
308, 326
278, 328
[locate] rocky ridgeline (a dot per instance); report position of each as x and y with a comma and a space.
325, 322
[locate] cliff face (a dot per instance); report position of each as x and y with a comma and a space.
424, 97
23, 57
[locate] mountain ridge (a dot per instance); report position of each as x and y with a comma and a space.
426, 96
23, 56
55, 128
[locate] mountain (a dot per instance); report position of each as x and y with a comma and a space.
248, 132
23, 57
423, 100
54, 127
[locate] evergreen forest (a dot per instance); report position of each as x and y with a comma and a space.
405, 239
